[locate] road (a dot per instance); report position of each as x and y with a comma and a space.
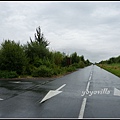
90, 92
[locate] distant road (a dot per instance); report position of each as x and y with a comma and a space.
90, 92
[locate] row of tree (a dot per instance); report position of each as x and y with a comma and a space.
35, 59
111, 60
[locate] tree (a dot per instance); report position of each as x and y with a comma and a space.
38, 48
82, 58
58, 57
75, 58
117, 60
39, 38
12, 57
87, 62
111, 60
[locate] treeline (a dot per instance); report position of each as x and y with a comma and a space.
111, 60
112, 65
35, 59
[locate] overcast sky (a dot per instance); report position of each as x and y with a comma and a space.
90, 28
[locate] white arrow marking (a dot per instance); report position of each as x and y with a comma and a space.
116, 92
61, 87
52, 93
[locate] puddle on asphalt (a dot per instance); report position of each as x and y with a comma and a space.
19, 82
15, 82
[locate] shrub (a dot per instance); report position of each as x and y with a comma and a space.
59, 70
12, 57
82, 64
42, 71
8, 74
70, 68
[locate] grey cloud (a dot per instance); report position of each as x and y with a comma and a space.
89, 28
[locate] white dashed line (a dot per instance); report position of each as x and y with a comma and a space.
90, 77
82, 108
81, 114
88, 86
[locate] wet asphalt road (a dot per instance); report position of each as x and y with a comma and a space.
21, 98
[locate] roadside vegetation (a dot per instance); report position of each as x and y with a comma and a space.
112, 65
36, 60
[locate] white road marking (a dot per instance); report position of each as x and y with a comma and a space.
88, 86
61, 87
90, 77
81, 114
83, 103
1, 99
52, 93
116, 92
91, 73
82, 108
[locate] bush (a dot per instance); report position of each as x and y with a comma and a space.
82, 64
76, 65
29, 69
46, 62
70, 68
42, 71
12, 57
8, 74
59, 70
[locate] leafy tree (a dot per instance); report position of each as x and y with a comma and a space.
75, 58
82, 58
39, 38
87, 62
118, 59
66, 60
12, 57
38, 47
58, 57
111, 60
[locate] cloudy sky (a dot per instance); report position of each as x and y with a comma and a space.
90, 28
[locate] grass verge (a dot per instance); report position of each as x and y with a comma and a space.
113, 68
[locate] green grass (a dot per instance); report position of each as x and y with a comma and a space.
113, 68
